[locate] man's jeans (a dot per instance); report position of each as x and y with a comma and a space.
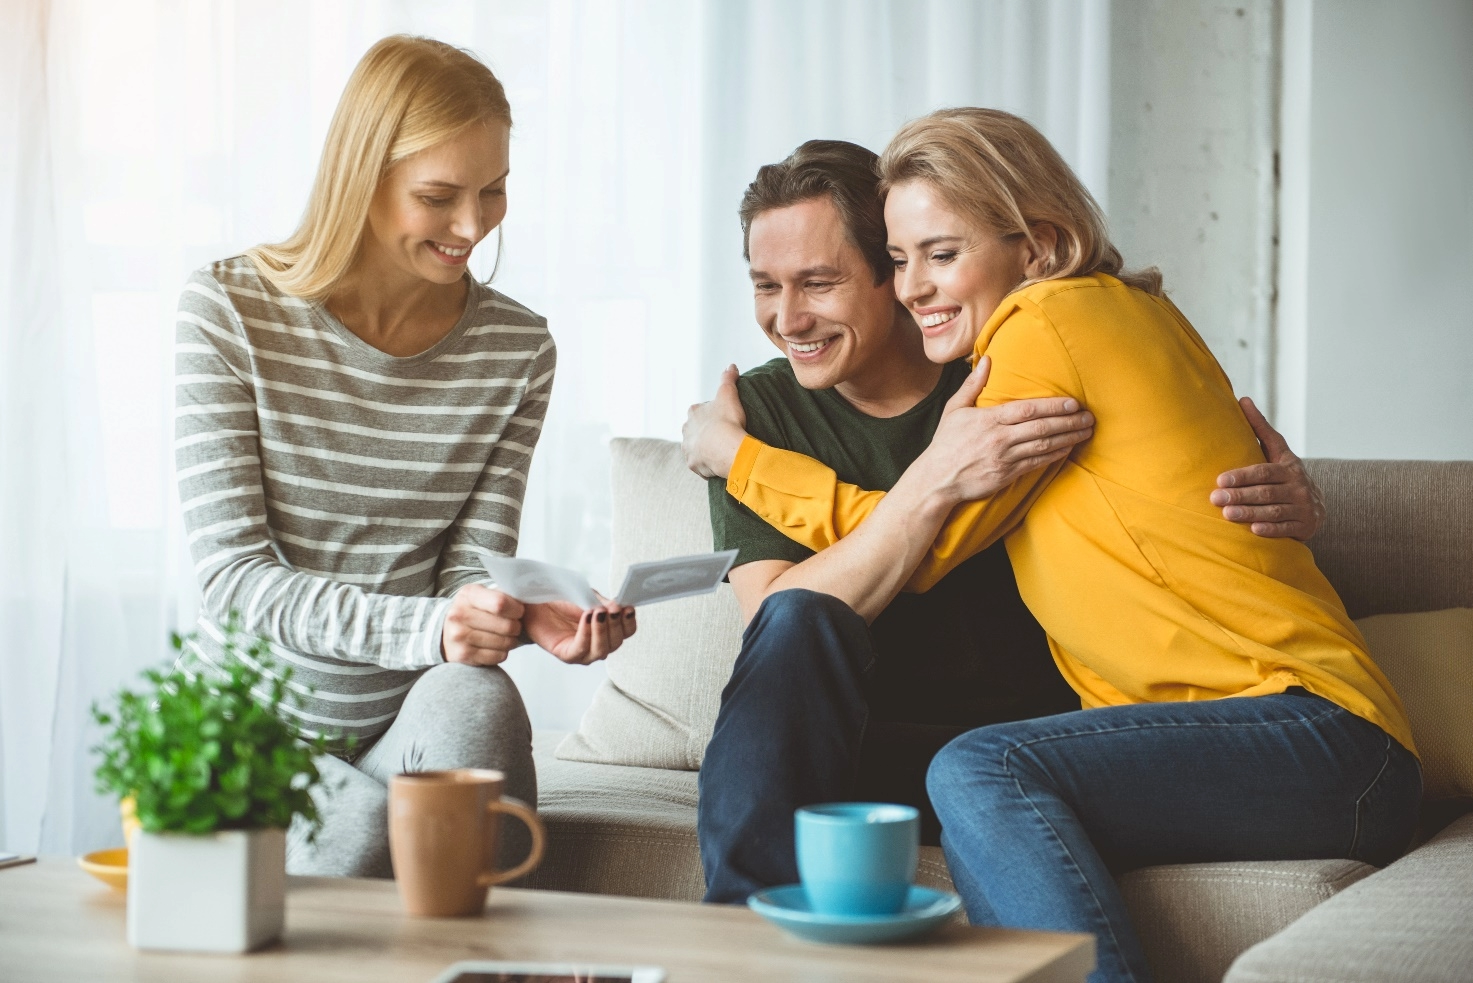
1038, 815
788, 735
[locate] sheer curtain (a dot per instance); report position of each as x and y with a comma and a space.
139, 141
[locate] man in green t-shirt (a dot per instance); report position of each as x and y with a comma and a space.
845, 687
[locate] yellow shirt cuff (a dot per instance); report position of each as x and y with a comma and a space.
741, 466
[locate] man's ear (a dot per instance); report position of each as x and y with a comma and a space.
1038, 254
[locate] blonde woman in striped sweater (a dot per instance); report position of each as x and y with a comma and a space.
355, 417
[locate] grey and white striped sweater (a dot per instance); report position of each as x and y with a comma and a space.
331, 492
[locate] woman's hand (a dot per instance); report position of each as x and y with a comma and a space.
714, 431
1277, 499
577, 636
482, 626
979, 451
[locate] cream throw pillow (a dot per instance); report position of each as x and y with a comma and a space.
1428, 657
657, 707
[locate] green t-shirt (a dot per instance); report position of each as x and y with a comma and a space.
965, 653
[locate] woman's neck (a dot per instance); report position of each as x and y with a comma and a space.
398, 314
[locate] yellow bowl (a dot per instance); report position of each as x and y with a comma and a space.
108, 866
126, 808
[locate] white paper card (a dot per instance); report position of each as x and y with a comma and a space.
681, 576
533, 582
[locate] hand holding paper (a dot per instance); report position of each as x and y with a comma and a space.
533, 582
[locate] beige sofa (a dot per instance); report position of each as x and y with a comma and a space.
1399, 539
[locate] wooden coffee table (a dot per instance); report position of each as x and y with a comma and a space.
56, 923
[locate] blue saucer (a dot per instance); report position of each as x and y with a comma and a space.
787, 907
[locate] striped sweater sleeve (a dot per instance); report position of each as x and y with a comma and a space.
491, 519
238, 565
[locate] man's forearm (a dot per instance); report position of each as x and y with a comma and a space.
867, 568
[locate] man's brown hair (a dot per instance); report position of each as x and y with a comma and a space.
845, 174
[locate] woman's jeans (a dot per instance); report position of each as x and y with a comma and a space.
1039, 815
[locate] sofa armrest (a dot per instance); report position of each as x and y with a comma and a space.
1408, 923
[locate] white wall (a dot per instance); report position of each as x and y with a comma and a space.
1376, 325
1193, 97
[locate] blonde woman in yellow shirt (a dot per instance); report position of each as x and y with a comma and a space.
1231, 710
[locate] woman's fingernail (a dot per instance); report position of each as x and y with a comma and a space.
603, 616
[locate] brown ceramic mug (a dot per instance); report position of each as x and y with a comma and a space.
444, 828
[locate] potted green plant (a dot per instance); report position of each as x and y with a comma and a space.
216, 773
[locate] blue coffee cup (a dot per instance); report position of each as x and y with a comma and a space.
857, 858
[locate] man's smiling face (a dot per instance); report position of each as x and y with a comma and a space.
816, 296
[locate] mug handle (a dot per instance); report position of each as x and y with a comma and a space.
520, 810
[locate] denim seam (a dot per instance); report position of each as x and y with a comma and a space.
1099, 906
1385, 763
1155, 726
1258, 881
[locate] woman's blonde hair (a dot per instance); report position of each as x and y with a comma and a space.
996, 169
407, 94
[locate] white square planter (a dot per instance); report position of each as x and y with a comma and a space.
221, 892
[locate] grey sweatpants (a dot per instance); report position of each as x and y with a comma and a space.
454, 716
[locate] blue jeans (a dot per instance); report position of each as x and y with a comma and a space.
821, 707
789, 732
1038, 815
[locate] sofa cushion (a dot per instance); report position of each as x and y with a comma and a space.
657, 706
616, 829
1408, 923
1429, 659
1194, 919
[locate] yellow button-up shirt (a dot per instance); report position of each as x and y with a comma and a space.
1146, 593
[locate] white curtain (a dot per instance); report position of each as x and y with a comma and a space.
140, 139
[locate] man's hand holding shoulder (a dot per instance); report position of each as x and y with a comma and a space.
1276, 499
714, 431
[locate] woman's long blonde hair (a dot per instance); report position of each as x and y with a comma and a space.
407, 94
996, 169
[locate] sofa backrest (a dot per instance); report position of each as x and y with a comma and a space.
1399, 534
1398, 537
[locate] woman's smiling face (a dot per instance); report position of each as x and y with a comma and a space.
950, 274
432, 209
